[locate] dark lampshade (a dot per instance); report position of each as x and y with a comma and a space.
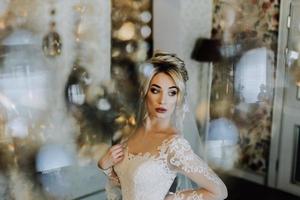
207, 50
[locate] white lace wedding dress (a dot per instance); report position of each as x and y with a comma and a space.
149, 177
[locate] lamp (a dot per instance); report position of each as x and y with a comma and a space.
207, 50
222, 143
221, 135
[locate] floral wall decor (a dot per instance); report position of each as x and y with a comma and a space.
248, 31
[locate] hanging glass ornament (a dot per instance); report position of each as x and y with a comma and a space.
52, 44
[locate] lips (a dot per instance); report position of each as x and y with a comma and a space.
161, 110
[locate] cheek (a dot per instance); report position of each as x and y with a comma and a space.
172, 103
150, 99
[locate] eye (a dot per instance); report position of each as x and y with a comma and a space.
172, 93
154, 90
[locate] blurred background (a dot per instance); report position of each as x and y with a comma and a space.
68, 76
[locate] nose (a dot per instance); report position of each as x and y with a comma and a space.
163, 98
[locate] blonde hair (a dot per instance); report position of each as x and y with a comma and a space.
170, 64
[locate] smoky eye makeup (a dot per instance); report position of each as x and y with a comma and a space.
154, 90
172, 92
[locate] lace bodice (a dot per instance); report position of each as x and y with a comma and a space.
149, 177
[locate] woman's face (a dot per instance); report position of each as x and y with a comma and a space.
162, 96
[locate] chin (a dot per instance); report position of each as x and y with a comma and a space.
162, 116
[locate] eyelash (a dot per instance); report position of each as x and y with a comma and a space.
172, 93
155, 91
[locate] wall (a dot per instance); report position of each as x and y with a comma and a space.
177, 25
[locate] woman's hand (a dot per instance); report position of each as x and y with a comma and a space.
114, 155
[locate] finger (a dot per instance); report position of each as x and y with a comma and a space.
119, 159
119, 154
117, 151
115, 156
117, 146
113, 153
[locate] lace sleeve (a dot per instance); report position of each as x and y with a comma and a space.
182, 159
112, 187
112, 176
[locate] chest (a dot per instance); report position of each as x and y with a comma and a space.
144, 169
145, 145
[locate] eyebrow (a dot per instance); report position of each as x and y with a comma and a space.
172, 87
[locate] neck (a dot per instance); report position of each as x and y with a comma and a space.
157, 125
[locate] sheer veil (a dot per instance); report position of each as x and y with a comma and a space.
184, 118
190, 132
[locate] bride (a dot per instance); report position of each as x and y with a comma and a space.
146, 163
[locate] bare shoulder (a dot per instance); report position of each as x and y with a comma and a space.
172, 136
128, 137
177, 141
175, 133
135, 137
